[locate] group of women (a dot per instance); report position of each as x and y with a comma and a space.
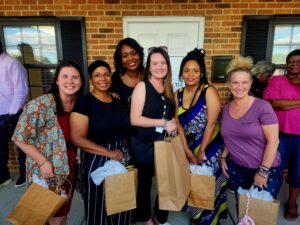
128, 110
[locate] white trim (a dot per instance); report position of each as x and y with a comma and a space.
172, 19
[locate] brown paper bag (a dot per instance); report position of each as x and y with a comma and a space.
202, 193
120, 192
172, 174
36, 207
260, 211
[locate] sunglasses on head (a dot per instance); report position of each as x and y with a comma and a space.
165, 48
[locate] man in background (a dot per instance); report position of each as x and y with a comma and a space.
13, 93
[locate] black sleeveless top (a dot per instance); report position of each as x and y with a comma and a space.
157, 106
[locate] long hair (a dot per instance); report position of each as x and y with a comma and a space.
120, 69
168, 90
199, 56
55, 90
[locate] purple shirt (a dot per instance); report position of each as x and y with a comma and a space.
244, 137
280, 88
13, 85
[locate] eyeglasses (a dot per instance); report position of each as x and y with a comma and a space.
102, 76
165, 48
290, 62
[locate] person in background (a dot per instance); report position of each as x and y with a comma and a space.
43, 133
128, 60
99, 127
283, 92
13, 93
151, 114
198, 106
261, 73
249, 122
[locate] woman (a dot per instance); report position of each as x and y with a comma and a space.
129, 67
283, 92
250, 133
99, 124
43, 133
152, 111
198, 106
262, 72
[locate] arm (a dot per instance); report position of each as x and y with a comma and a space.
44, 164
213, 104
223, 162
188, 152
284, 104
136, 111
271, 133
79, 125
20, 87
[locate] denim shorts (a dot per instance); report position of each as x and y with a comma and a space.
289, 148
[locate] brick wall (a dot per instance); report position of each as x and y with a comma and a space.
223, 19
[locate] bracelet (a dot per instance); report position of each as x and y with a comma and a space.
264, 172
263, 175
43, 163
165, 124
264, 167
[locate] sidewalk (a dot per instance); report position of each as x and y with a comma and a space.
9, 196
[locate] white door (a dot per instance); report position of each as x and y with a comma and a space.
179, 34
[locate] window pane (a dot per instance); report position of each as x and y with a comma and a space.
296, 34
282, 34
279, 54
33, 44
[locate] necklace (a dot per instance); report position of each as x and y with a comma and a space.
237, 110
130, 80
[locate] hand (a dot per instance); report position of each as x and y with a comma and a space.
171, 126
260, 181
115, 155
190, 156
201, 155
224, 168
47, 170
113, 94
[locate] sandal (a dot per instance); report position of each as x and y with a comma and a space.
291, 213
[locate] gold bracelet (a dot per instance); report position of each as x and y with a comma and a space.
43, 163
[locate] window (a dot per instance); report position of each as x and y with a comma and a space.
286, 39
270, 38
40, 43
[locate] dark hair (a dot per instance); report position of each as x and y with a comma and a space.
168, 79
54, 88
198, 55
94, 65
120, 69
292, 53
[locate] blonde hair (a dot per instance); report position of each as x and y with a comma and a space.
239, 64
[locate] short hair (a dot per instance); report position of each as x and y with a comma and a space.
263, 67
292, 53
239, 64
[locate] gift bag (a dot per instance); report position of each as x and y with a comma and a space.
172, 174
202, 193
120, 192
36, 207
262, 212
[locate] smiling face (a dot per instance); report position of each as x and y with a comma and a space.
158, 66
240, 84
130, 58
191, 73
293, 65
68, 81
101, 79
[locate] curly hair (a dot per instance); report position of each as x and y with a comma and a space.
239, 64
120, 69
199, 56
263, 67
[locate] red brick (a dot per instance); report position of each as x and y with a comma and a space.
29, 2
45, 1
12, 2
